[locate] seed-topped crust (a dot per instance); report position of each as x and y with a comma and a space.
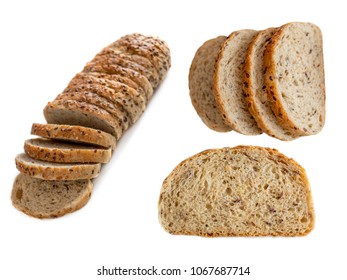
58, 151
74, 133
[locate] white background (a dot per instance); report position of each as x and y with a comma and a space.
44, 43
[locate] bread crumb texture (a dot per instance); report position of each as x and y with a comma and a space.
241, 191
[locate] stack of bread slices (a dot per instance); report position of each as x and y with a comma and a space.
268, 81
84, 123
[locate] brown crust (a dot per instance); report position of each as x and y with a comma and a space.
74, 133
72, 154
277, 157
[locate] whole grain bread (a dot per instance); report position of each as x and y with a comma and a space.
49, 199
294, 77
74, 133
157, 52
154, 77
259, 104
201, 84
59, 151
240, 191
124, 98
228, 84
72, 112
56, 171
105, 66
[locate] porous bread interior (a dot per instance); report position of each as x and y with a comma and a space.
237, 192
299, 76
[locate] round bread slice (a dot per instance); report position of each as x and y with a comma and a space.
74, 133
49, 199
72, 112
228, 83
294, 77
56, 171
201, 84
255, 91
59, 151
240, 191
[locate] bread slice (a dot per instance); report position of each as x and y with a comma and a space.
201, 84
58, 151
240, 191
49, 199
255, 91
72, 112
294, 77
56, 171
74, 133
228, 84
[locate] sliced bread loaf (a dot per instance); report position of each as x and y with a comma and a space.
294, 77
49, 199
255, 90
58, 151
56, 171
228, 82
241, 191
74, 133
201, 84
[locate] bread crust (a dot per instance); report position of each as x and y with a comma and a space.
191, 165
